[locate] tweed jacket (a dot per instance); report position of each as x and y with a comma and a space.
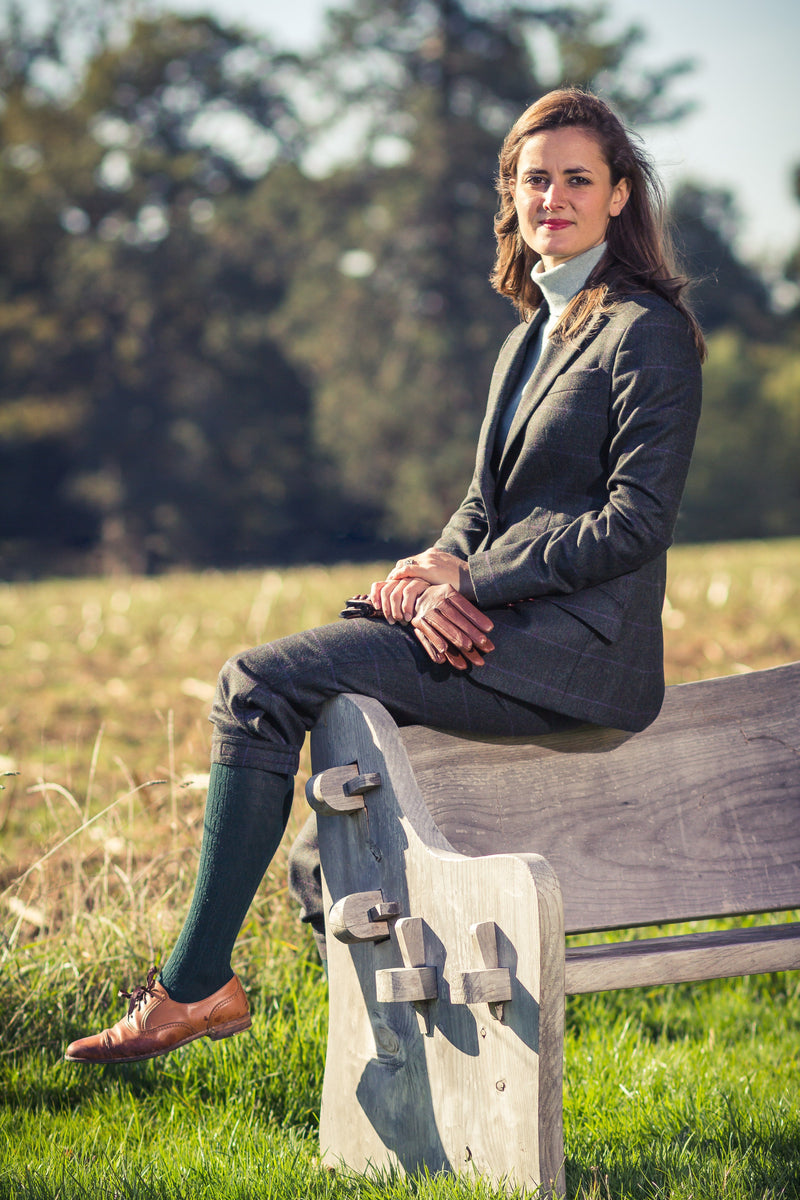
565, 531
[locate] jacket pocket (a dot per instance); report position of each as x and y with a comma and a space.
593, 379
602, 608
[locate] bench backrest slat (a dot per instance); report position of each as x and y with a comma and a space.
697, 816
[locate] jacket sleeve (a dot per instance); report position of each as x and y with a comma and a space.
467, 527
654, 410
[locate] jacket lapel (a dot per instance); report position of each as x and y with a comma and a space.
504, 380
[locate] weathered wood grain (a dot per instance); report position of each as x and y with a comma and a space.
353, 918
325, 791
485, 936
697, 816
413, 939
474, 838
694, 956
484, 986
397, 985
457, 1090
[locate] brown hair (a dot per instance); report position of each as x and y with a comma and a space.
638, 247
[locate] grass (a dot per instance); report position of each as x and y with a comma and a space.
686, 1093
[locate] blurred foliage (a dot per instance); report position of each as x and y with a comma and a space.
725, 292
793, 264
144, 407
744, 473
244, 312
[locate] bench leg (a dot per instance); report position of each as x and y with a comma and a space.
457, 1068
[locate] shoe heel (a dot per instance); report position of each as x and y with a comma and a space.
230, 1028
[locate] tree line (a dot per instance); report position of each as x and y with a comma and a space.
244, 309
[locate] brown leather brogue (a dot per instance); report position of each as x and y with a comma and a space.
154, 1024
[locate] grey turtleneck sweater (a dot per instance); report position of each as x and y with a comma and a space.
558, 286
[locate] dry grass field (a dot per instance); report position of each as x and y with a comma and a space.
106, 685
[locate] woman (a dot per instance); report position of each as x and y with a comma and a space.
558, 549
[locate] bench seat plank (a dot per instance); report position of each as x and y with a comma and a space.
684, 959
697, 816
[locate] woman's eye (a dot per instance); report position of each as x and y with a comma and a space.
581, 180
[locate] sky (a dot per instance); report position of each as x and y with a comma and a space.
745, 132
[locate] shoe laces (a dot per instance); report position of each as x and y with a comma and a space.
140, 992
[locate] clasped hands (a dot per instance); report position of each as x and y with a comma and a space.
426, 591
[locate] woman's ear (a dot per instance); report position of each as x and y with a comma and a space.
619, 197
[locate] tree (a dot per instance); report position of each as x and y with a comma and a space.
140, 367
725, 291
792, 267
210, 334
39, 415
743, 481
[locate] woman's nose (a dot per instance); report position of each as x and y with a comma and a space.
553, 197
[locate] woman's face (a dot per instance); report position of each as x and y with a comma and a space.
563, 194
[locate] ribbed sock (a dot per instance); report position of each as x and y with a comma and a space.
246, 814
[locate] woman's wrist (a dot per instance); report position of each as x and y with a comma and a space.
465, 583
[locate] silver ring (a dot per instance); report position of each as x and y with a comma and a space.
409, 562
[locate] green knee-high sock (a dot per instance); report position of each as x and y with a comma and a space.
246, 814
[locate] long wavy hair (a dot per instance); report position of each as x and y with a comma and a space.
639, 255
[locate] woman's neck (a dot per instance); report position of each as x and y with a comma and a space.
561, 283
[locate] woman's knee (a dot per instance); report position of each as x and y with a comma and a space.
242, 676
248, 670
274, 688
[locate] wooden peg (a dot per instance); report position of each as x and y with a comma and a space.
326, 793
394, 985
484, 937
414, 981
350, 919
362, 783
492, 983
411, 940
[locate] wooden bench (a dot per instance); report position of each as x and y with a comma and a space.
454, 866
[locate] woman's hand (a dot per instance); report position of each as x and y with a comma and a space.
397, 599
450, 628
434, 566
